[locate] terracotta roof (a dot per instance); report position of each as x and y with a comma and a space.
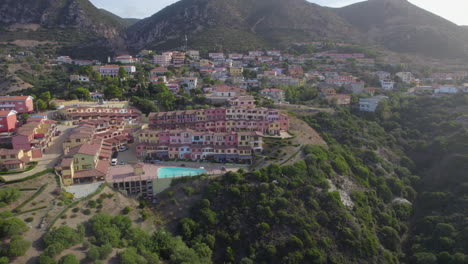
7, 112
66, 162
88, 173
14, 98
89, 149
9, 151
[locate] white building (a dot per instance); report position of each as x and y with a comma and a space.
446, 89
79, 78
387, 84
164, 59
194, 54
190, 82
370, 104
406, 77
216, 56
64, 59
113, 70
125, 59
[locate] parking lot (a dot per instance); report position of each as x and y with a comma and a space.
128, 156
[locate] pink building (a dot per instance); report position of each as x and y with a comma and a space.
7, 121
21, 104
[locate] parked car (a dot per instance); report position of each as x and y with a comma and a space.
122, 162
123, 148
58, 133
114, 162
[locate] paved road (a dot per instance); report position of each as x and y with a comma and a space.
50, 158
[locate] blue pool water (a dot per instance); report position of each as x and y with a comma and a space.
169, 172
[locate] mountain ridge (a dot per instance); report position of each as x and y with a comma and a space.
404, 27
266, 21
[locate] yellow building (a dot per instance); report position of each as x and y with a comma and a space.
236, 71
14, 159
148, 136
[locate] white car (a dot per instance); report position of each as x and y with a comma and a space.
114, 162
123, 148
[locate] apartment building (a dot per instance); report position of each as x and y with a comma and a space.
233, 119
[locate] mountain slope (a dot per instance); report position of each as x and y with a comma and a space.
77, 25
403, 27
216, 24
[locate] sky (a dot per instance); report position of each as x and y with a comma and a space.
453, 10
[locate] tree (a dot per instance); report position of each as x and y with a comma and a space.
40, 105
389, 238
112, 91
82, 93
68, 259
122, 73
131, 256
17, 247
8, 195
45, 96
12, 227
93, 253
166, 100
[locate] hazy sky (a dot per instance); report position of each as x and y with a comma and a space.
454, 10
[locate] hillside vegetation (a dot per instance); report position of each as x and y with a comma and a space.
389, 189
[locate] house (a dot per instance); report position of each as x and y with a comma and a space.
295, 70
21, 104
277, 95
327, 91
164, 59
216, 56
242, 101
8, 121
193, 55
84, 62
88, 162
339, 99
64, 60
222, 93
274, 53
236, 71
158, 71
189, 82
256, 53
370, 104
125, 59
14, 159
178, 57
113, 70
236, 56
446, 89
406, 77
387, 84
79, 78
35, 135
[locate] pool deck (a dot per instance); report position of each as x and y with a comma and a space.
126, 172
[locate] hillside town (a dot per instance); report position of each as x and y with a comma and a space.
232, 102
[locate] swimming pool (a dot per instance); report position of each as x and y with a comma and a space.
169, 172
